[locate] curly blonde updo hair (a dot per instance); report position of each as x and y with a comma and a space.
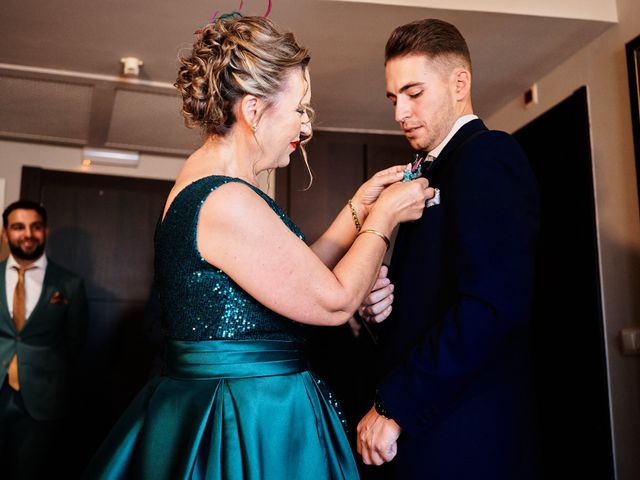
233, 57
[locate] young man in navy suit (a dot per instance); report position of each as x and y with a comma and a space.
43, 320
453, 401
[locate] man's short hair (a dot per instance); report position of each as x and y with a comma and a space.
24, 205
431, 37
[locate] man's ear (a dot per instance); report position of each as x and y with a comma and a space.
461, 82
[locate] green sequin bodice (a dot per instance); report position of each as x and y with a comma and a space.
199, 301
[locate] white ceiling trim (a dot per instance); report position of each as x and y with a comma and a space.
89, 77
599, 10
41, 138
372, 131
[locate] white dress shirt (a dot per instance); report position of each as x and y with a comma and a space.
33, 281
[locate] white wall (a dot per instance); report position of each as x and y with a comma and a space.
15, 155
601, 66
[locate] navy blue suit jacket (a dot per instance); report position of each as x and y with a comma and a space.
455, 351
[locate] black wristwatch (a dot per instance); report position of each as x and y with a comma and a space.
379, 406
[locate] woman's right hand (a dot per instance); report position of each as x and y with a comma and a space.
404, 201
370, 190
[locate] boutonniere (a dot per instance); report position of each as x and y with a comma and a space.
414, 170
58, 299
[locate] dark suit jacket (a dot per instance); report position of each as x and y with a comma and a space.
456, 347
48, 343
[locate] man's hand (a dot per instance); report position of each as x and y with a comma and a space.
377, 306
377, 436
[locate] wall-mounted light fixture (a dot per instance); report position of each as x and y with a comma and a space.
114, 158
131, 66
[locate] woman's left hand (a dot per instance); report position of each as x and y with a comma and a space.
370, 190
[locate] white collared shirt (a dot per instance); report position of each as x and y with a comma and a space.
33, 281
463, 120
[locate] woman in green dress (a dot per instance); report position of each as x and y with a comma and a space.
237, 282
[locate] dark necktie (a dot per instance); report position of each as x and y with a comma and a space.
19, 317
427, 163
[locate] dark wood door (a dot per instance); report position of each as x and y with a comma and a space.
337, 165
569, 345
102, 227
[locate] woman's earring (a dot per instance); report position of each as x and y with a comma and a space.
254, 127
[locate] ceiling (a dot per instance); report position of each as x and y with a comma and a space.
61, 83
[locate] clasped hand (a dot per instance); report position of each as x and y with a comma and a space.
377, 306
377, 438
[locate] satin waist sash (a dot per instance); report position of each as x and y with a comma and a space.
217, 359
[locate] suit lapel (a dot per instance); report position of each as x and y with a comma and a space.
48, 288
461, 136
5, 314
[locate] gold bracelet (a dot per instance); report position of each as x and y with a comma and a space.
375, 232
354, 215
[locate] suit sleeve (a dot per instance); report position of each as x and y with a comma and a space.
494, 211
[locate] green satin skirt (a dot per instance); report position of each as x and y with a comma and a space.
228, 410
